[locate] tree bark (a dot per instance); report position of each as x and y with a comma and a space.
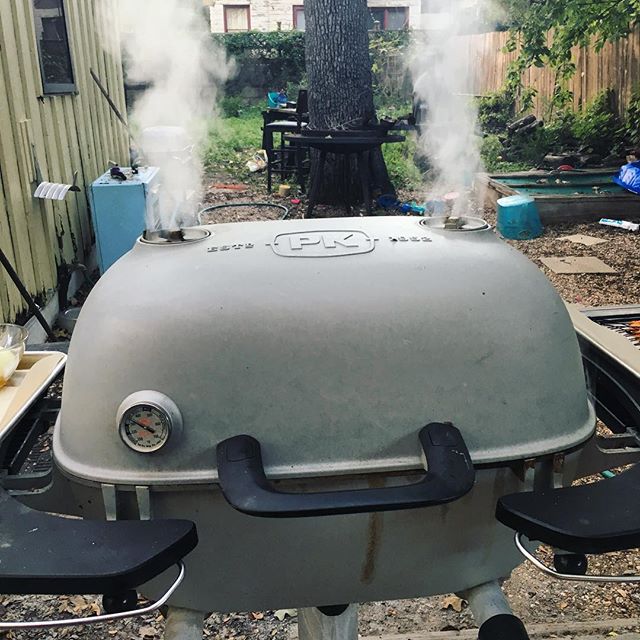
340, 91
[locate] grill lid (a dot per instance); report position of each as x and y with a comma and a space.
332, 342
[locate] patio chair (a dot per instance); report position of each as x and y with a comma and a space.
283, 159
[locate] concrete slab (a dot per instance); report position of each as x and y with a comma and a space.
576, 264
580, 238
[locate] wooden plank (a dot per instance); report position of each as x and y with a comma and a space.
56, 169
79, 200
11, 111
64, 174
95, 53
82, 103
590, 630
9, 296
116, 81
617, 66
42, 240
90, 100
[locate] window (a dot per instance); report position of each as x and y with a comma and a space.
236, 18
388, 18
298, 18
53, 46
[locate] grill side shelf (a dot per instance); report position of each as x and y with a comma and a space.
246, 488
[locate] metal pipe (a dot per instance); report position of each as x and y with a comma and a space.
486, 601
184, 624
33, 307
315, 625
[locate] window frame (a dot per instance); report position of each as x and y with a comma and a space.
56, 88
385, 23
297, 9
246, 7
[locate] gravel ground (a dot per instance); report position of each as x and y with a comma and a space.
535, 598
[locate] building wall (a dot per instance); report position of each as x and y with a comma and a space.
57, 135
271, 15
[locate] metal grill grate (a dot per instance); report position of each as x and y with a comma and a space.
628, 326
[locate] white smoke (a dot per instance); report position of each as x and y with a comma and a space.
442, 71
167, 45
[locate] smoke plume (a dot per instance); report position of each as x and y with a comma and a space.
167, 47
442, 71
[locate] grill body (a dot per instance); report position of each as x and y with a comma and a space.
333, 342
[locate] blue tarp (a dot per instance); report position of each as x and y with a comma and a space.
629, 177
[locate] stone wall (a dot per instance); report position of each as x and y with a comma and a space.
274, 15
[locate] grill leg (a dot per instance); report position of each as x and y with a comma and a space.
184, 624
315, 625
493, 614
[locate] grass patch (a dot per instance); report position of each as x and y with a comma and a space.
402, 169
232, 141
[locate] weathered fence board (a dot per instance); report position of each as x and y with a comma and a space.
616, 67
58, 135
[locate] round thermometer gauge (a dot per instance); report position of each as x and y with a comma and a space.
147, 421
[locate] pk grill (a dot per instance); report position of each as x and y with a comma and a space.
346, 410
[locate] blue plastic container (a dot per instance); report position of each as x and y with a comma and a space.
272, 99
518, 218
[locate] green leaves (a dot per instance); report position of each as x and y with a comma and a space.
545, 31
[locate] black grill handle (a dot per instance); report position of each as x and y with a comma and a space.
246, 488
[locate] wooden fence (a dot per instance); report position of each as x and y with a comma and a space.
616, 67
57, 134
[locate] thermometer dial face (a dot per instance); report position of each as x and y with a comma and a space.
145, 428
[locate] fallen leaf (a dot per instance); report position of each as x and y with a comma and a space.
147, 632
257, 615
563, 605
281, 614
453, 602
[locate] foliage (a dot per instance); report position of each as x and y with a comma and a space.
277, 59
388, 48
231, 141
401, 166
495, 111
560, 130
284, 48
270, 60
596, 127
544, 32
491, 150
233, 106
629, 133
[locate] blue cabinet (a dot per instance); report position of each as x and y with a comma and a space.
119, 212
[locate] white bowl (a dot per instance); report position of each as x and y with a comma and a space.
13, 339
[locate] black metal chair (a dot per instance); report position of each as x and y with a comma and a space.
285, 159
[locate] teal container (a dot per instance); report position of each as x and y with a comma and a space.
518, 218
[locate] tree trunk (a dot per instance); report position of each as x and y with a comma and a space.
340, 92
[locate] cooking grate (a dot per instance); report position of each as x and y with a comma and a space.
26, 453
628, 326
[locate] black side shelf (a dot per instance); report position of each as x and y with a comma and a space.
590, 518
42, 553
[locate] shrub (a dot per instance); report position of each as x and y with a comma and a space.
495, 111
597, 126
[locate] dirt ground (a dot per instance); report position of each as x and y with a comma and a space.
535, 598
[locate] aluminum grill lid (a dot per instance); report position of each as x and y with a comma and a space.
332, 342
